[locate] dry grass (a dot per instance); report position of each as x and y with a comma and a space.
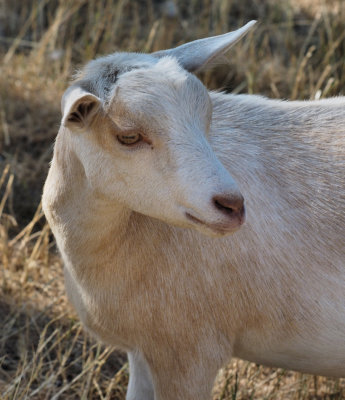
297, 52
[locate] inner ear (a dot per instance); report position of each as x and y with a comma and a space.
82, 112
79, 108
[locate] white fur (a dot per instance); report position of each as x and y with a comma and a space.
146, 277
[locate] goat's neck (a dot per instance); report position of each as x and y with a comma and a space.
90, 224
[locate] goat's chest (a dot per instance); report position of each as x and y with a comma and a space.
124, 304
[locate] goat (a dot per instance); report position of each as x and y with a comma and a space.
148, 180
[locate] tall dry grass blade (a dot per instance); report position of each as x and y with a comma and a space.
6, 194
110, 387
37, 247
4, 125
31, 366
328, 86
24, 233
118, 16
50, 35
63, 13
98, 388
85, 370
40, 388
300, 72
308, 39
10, 53
119, 374
4, 175
152, 35
320, 81
334, 46
67, 354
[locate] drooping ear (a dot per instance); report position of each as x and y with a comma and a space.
79, 107
195, 55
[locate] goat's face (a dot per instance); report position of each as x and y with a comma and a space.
144, 144
148, 150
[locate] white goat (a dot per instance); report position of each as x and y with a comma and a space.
138, 189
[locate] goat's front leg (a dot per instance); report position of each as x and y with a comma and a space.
174, 380
140, 385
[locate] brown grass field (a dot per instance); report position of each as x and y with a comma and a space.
297, 51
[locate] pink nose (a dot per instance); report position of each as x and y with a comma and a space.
231, 205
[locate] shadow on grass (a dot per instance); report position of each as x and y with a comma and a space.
42, 356
30, 117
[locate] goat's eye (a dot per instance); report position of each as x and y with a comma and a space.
129, 138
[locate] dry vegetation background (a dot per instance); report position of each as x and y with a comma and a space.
296, 52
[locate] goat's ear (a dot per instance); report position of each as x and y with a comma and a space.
195, 55
79, 107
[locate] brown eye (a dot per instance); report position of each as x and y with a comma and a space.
129, 138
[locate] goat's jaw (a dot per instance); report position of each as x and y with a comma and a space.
217, 229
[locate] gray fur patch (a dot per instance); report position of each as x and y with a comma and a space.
99, 76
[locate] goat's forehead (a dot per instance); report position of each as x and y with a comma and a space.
164, 78
164, 87
166, 69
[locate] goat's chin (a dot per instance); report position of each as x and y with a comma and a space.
215, 232
214, 229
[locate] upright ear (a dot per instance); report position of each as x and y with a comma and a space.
79, 108
195, 55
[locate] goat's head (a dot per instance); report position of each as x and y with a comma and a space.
139, 125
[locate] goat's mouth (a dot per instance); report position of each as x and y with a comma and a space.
220, 229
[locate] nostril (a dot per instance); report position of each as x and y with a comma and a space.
230, 205
221, 207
